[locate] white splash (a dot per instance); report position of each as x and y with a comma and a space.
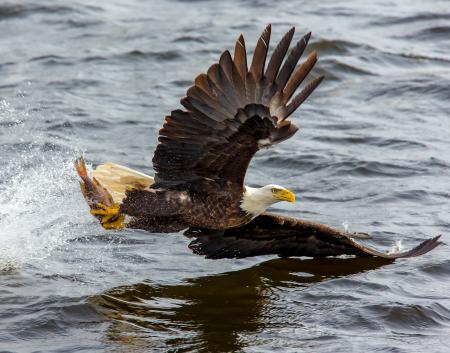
39, 211
396, 248
345, 225
41, 206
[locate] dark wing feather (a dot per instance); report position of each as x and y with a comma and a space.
302, 96
297, 78
231, 112
278, 55
260, 55
283, 236
292, 60
240, 57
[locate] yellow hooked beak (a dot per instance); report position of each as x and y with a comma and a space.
285, 195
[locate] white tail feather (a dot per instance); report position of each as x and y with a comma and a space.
117, 179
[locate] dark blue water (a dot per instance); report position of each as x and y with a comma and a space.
372, 155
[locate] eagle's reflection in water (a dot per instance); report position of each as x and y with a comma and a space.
218, 313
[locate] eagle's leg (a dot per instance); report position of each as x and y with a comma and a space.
111, 217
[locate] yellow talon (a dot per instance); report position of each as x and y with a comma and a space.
106, 219
106, 210
117, 224
109, 213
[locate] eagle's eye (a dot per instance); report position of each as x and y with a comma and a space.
274, 190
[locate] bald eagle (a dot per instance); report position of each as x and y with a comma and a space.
231, 112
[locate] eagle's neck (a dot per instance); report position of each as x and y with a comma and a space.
255, 201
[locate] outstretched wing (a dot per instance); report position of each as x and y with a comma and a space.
231, 112
284, 236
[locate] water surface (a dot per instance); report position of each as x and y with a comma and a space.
372, 154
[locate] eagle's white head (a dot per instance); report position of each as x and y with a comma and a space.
256, 200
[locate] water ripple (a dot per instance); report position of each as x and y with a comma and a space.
372, 153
